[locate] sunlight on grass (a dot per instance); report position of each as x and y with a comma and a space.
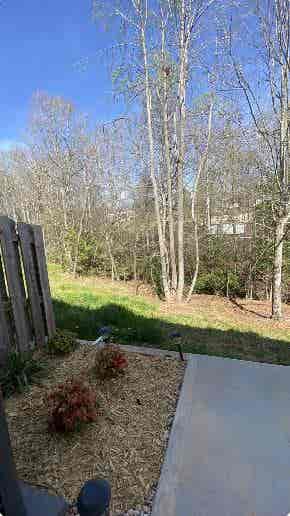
85, 304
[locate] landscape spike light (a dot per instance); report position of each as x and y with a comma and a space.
176, 335
105, 332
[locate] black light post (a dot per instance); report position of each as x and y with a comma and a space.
176, 336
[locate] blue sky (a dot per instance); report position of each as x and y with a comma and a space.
41, 44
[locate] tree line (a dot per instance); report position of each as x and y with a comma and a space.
190, 192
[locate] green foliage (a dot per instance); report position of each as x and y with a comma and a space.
62, 343
20, 370
235, 287
151, 273
218, 282
70, 405
110, 361
87, 251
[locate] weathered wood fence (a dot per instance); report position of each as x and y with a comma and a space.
26, 313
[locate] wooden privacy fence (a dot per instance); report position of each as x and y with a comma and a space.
26, 313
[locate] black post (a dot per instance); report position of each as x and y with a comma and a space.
176, 336
11, 498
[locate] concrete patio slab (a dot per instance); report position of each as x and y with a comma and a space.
229, 449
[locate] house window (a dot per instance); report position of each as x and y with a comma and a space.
240, 229
228, 229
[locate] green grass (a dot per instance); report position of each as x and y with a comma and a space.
84, 305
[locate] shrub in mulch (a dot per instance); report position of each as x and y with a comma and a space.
110, 361
62, 343
20, 370
70, 405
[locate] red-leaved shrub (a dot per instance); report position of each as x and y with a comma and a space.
70, 405
110, 361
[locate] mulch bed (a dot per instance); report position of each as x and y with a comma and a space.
125, 445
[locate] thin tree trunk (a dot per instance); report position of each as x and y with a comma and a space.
201, 168
208, 225
228, 285
173, 286
181, 152
170, 204
196, 271
114, 274
250, 289
79, 237
284, 195
162, 246
135, 259
147, 242
277, 270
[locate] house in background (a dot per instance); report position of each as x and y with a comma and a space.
234, 220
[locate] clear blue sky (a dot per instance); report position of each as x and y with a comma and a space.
41, 42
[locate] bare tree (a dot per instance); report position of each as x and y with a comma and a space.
151, 25
274, 25
189, 14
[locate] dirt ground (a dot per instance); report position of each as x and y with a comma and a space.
235, 310
125, 445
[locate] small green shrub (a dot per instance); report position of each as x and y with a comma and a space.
62, 343
70, 405
110, 361
20, 370
217, 282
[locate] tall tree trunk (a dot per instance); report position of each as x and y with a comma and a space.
183, 49
277, 270
172, 254
170, 201
162, 247
201, 168
284, 208
208, 217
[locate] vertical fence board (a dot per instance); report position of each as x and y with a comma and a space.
43, 276
26, 239
12, 263
5, 330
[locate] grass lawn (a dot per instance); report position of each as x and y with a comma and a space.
209, 324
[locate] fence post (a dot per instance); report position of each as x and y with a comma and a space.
12, 264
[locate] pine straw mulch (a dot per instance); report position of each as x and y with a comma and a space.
126, 444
